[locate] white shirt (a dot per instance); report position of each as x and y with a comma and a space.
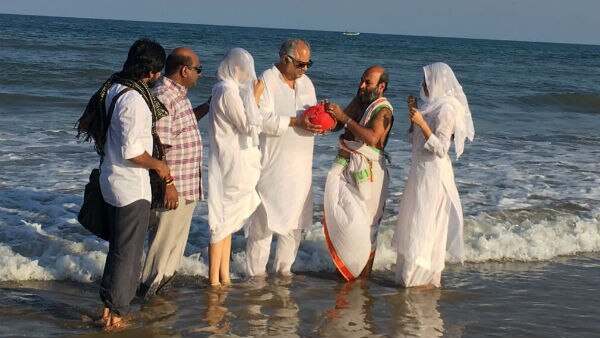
130, 135
287, 153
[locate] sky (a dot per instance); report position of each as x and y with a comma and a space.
569, 21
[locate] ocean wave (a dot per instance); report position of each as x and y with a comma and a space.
521, 238
28, 100
515, 235
41, 240
576, 102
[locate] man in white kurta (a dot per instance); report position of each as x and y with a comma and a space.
287, 151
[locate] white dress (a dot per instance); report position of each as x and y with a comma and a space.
430, 217
233, 165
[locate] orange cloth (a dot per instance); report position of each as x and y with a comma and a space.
321, 117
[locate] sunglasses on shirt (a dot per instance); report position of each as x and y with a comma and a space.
300, 64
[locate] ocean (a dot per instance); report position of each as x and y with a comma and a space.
529, 184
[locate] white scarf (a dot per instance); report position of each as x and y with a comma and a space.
238, 67
444, 88
382, 101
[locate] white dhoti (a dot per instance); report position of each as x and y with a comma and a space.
354, 201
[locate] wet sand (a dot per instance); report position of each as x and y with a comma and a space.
546, 299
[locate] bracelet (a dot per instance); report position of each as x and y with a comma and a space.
347, 123
172, 182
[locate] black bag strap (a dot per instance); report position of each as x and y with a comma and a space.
109, 114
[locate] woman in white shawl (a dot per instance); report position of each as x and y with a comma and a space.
234, 161
430, 221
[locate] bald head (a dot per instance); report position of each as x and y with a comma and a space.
183, 66
180, 56
380, 72
373, 84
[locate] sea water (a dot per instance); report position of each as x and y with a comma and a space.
529, 182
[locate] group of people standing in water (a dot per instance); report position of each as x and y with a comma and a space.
261, 133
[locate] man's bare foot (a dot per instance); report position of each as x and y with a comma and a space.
226, 282
115, 323
215, 285
103, 317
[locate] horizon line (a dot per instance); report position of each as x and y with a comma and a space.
309, 30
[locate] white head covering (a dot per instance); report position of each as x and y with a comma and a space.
443, 87
238, 66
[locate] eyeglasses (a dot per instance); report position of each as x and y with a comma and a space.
197, 69
299, 64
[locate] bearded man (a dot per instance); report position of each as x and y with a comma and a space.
356, 187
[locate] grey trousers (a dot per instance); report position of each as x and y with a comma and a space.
128, 226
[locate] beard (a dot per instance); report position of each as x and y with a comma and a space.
151, 84
367, 96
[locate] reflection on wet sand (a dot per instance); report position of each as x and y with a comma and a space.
157, 317
351, 316
270, 307
285, 319
215, 320
414, 313
215, 314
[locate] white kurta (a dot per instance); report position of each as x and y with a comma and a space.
430, 222
287, 153
233, 165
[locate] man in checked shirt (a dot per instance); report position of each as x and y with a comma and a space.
183, 147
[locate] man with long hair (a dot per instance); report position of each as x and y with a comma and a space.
127, 148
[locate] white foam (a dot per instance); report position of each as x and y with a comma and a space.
194, 265
487, 238
16, 267
43, 240
490, 238
517, 203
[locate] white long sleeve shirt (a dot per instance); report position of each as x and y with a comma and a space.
130, 135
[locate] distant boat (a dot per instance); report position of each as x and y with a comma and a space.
351, 33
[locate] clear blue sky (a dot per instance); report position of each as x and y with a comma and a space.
572, 21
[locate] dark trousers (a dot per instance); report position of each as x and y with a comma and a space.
128, 226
